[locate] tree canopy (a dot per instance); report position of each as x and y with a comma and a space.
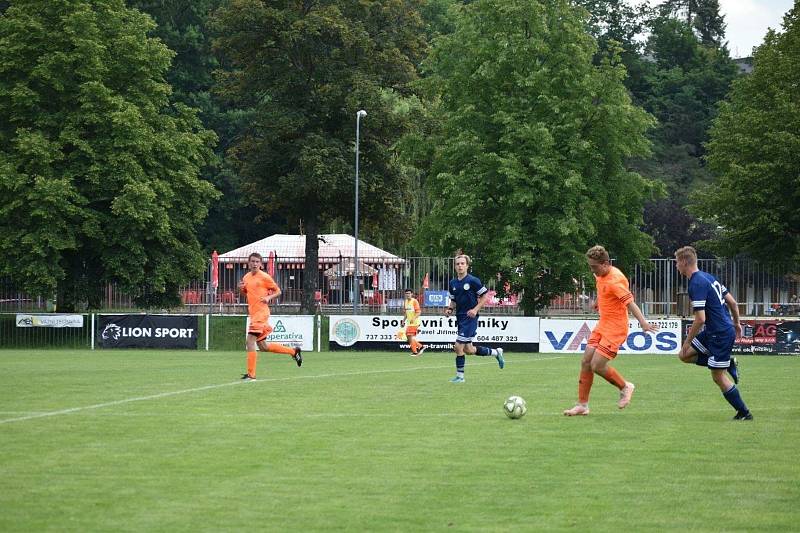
680, 84
529, 166
305, 69
100, 170
755, 153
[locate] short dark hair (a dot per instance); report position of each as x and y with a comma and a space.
409, 290
255, 254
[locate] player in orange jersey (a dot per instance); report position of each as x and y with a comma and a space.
261, 289
614, 300
412, 312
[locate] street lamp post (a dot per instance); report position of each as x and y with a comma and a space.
357, 286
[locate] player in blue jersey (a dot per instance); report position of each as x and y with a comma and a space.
715, 327
467, 297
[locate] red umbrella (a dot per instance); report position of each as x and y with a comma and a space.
214, 269
271, 264
375, 280
426, 281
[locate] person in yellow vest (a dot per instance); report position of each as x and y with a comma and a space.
412, 313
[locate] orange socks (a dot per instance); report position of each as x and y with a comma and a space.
584, 386
614, 377
586, 378
252, 357
280, 348
415, 346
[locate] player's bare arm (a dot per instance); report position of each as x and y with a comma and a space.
271, 296
697, 325
472, 313
645, 325
733, 307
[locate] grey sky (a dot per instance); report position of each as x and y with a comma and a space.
747, 21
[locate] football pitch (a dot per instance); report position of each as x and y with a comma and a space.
173, 441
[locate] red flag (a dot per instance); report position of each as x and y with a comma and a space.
214, 269
271, 264
426, 283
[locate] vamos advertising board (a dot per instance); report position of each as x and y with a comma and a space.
147, 331
570, 336
378, 332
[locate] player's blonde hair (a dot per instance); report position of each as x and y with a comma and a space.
465, 256
687, 255
598, 253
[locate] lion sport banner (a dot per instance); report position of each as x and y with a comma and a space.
147, 331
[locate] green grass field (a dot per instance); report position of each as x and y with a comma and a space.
172, 441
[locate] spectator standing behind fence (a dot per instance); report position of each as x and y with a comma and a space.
794, 304
714, 329
614, 300
467, 297
261, 289
412, 312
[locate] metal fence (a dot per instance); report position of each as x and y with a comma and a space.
761, 289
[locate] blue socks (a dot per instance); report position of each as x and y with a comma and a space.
460, 365
735, 399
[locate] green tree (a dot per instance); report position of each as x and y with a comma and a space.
183, 27
529, 166
682, 86
620, 23
437, 17
99, 170
306, 68
703, 16
755, 154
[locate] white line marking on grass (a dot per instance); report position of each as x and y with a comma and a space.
229, 384
116, 402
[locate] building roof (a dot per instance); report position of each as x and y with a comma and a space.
292, 249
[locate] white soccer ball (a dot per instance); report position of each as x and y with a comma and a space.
515, 407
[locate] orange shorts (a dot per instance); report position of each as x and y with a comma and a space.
605, 344
260, 330
411, 330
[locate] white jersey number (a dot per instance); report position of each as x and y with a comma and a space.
719, 289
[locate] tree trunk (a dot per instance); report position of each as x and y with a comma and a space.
311, 269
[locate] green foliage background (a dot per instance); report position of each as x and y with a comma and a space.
520, 131
529, 167
100, 169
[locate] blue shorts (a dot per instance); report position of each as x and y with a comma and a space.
467, 329
717, 346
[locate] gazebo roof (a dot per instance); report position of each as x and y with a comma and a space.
292, 249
